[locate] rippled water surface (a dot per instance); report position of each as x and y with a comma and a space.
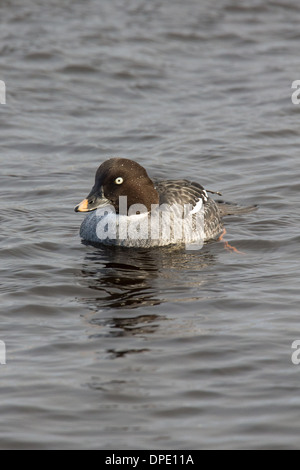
161, 348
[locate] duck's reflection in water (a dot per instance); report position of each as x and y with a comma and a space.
125, 279
121, 277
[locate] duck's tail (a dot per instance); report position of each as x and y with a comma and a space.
226, 208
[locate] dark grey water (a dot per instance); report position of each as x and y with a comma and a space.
149, 348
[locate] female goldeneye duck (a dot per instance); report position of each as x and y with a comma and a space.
127, 208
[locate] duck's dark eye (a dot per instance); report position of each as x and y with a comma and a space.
119, 180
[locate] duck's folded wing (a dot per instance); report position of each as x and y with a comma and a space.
187, 192
181, 192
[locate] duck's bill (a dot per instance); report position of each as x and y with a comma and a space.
92, 204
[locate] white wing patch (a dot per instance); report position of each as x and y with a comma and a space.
197, 207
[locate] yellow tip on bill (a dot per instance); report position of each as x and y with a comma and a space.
83, 206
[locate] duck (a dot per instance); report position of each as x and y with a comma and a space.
127, 208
